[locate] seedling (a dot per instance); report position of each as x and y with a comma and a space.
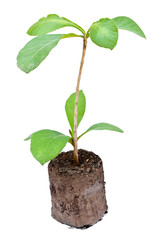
47, 144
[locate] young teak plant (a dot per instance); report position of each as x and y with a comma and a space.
47, 144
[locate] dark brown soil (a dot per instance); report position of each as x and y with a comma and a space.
77, 192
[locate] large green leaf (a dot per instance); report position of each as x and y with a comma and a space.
104, 33
47, 144
70, 105
127, 23
51, 23
102, 126
36, 50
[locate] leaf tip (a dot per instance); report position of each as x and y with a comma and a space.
42, 163
120, 130
21, 67
29, 137
26, 139
81, 91
144, 36
29, 31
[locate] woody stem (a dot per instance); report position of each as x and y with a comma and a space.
76, 101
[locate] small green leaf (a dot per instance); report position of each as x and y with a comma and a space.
70, 105
127, 23
104, 33
51, 23
36, 50
102, 126
47, 144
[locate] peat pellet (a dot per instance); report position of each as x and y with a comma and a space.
77, 192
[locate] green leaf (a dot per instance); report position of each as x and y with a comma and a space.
51, 23
70, 105
47, 144
102, 126
104, 33
36, 50
127, 23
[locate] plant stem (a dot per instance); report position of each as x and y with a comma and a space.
76, 101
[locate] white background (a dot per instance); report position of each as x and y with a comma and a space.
121, 86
